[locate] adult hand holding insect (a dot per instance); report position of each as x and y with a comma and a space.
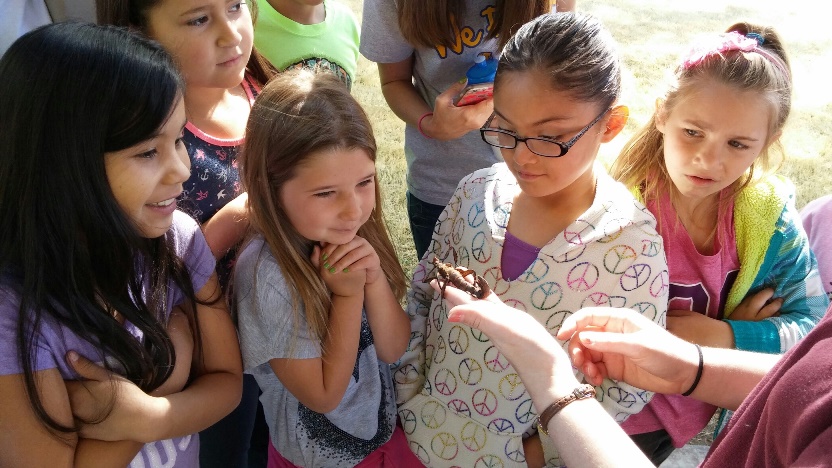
458, 277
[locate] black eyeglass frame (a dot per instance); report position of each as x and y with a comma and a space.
564, 146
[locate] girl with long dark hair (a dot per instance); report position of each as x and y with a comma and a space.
114, 336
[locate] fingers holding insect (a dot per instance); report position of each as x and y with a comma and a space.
461, 278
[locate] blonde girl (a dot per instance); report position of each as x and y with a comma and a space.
741, 272
317, 289
548, 229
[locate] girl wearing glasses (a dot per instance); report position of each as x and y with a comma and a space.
423, 49
741, 271
548, 230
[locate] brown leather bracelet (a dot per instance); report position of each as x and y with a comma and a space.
581, 392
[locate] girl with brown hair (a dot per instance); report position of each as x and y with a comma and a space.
318, 287
741, 272
212, 44
423, 49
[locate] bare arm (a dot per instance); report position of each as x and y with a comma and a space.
701, 329
218, 385
25, 441
399, 92
320, 383
698, 328
743, 369
605, 342
212, 394
619, 344
227, 227
389, 323
584, 434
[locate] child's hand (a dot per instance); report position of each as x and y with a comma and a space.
759, 306
450, 122
357, 254
340, 273
130, 409
183, 342
698, 328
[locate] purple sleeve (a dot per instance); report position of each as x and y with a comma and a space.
9, 352
817, 219
192, 248
52, 342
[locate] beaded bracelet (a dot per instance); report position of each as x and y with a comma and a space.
698, 372
419, 125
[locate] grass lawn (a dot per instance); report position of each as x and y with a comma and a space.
651, 35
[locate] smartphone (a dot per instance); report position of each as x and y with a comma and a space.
475, 93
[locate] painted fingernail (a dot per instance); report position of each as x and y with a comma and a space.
346, 270
332, 269
324, 257
326, 265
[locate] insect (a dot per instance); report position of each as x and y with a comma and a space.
455, 276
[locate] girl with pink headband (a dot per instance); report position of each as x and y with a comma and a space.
741, 271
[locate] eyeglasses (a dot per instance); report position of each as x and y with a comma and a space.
541, 146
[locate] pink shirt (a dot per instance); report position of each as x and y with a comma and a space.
699, 283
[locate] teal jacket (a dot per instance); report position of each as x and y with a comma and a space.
774, 253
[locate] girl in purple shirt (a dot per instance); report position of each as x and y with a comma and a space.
116, 344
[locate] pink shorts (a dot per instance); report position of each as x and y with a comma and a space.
393, 454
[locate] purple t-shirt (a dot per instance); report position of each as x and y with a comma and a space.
54, 341
817, 219
517, 257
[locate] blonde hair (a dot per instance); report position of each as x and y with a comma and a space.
297, 114
641, 163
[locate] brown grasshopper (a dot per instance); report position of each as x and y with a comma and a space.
447, 273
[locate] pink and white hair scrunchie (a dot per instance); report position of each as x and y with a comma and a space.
718, 45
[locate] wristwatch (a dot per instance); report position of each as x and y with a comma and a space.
582, 392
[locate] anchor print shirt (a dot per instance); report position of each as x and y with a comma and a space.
460, 402
366, 416
215, 179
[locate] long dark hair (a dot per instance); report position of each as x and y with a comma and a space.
133, 14
72, 92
